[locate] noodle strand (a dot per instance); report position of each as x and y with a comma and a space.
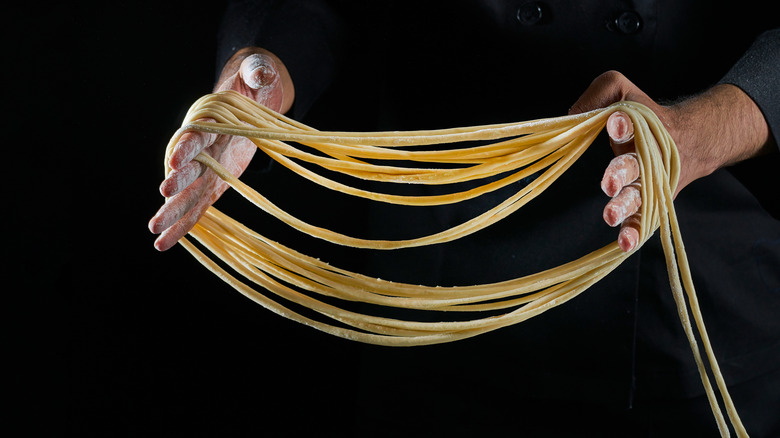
507, 153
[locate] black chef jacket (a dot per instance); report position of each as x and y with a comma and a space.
421, 65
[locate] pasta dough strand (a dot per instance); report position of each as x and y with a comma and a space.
505, 154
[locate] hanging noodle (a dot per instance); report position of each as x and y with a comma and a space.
545, 148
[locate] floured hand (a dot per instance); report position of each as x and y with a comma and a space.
714, 129
189, 188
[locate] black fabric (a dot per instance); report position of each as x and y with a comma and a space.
619, 346
303, 33
756, 74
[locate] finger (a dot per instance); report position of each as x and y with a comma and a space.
187, 221
258, 71
260, 80
176, 207
628, 238
621, 132
179, 179
189, 145
621, 171
622, 206
174, 233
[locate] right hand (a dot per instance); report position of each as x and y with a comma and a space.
190, 188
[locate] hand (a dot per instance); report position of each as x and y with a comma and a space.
190, 188
717, 128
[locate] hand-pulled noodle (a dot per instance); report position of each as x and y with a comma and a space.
510, 152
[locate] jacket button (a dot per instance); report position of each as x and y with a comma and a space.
627, 23
530, 13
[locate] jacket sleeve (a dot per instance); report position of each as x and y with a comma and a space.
304, 34
757, 73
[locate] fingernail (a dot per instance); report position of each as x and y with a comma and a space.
614, 177
259, 71
611, 184
613, 216
627, 239
160, 245
154, 224
619, 127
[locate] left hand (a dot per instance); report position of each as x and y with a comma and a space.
190, 189
717, 128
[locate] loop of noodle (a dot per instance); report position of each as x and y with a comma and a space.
545, 147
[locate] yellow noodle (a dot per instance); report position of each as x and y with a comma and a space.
545, 148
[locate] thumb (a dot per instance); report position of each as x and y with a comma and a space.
606, 89
258, 70
260, 75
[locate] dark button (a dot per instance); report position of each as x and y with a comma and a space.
628, 22
530, 13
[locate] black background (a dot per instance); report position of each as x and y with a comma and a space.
114, 338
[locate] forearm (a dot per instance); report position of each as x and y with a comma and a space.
718, 128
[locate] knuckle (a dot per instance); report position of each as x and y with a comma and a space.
611, 77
